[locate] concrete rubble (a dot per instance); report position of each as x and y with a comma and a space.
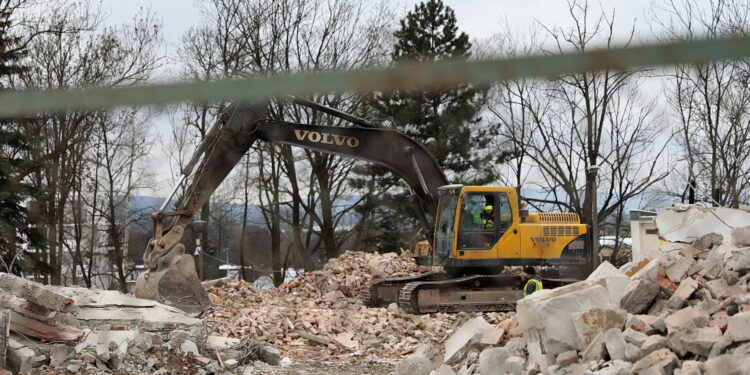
685, 309
321, 314
76, 330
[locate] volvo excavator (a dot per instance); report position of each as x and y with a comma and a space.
470, 245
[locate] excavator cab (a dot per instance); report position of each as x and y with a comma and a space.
482, 228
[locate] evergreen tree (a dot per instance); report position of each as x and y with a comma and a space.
17, 228
446, 121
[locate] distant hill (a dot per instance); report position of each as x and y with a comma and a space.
142, 206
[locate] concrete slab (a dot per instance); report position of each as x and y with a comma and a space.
685, 223
615, 344
548, 314
663, 359
682, 294
700, 340
463, 336
616, 280
649, 271
638, 295
220, 343
741, 259
595, 321
741, 236
493, 360
677, 270
596, 349
685, 318
739, 326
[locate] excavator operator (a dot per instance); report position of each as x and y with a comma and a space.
488, 217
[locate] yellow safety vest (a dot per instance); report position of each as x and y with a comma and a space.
537, 286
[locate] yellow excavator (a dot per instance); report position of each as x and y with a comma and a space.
472, 232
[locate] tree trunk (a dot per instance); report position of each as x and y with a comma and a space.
297, 245
205, 214
327, 230
245, 203
278, 277
54, 278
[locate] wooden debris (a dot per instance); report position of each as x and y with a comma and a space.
218, 356
60, 314
31, 310
35, 328
38, 321
4, 335
201, 360
35, 292
319, 339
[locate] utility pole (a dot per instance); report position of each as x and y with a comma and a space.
593, 171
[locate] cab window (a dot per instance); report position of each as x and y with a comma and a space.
446, 216
484, 219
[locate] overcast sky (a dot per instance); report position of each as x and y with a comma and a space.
478, 18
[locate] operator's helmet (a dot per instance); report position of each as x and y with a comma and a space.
530, 270
488, 208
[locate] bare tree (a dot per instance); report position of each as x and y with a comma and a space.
88, 55
257, 38
125, 144
587, 136
247, 186
709, 101
512, 103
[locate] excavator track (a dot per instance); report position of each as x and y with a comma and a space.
366, 298
383, 292
470, 293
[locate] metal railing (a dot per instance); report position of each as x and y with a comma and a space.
406, 76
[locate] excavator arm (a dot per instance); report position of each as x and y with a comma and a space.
170, 275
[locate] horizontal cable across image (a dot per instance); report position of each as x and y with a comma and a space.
406, 76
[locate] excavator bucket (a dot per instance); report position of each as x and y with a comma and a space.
171, 277
175, 284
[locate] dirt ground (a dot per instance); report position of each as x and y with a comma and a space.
318, 362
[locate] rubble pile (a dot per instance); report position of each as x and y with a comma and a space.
60, 330
351, 273
684, 309
324, 309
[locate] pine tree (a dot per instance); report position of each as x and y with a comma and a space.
17, 228
446, 121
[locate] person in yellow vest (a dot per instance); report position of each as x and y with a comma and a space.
534, 282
